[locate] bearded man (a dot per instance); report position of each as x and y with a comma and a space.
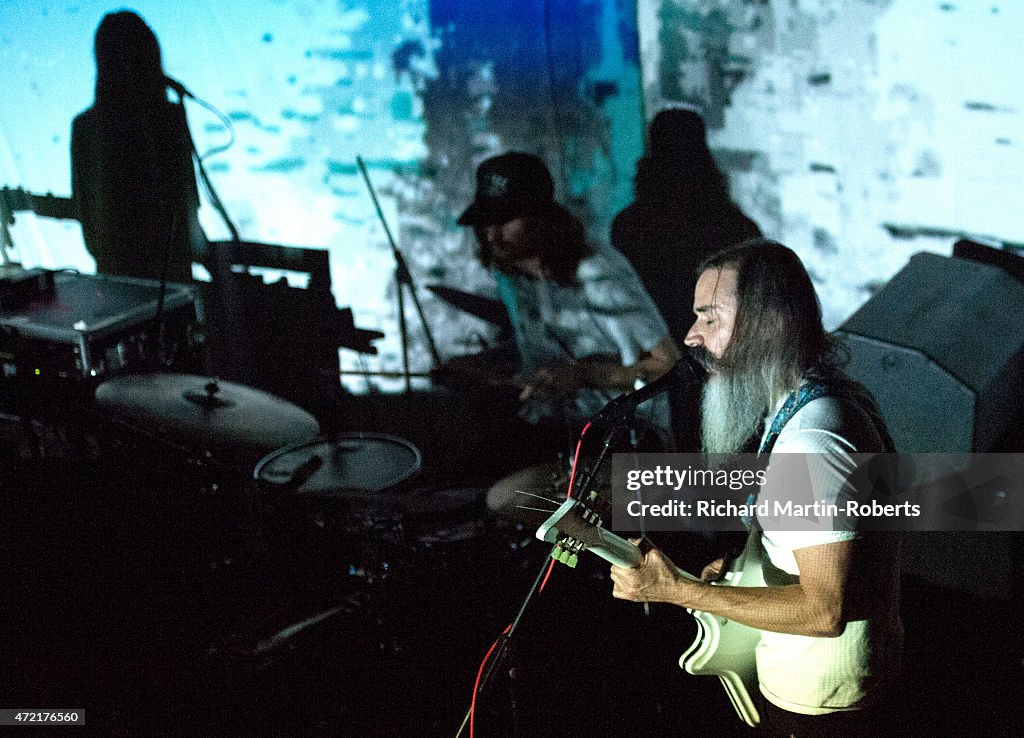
831, 637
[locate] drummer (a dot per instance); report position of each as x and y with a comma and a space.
585, 328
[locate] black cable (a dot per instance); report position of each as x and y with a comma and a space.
204, 177
211, 193
227, 124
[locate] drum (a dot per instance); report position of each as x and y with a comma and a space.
334, 505
358, 469
437, 516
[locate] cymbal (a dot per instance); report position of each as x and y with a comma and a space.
485, 308
207, 413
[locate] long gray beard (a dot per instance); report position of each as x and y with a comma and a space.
733, 406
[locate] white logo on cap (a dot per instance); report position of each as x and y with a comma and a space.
497, 185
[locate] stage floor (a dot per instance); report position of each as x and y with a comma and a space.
135, 590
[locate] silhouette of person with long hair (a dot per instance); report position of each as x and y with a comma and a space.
681, 214
132, 175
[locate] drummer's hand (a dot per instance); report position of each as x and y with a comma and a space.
552, 381
473, 369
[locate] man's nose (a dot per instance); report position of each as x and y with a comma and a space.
694, 338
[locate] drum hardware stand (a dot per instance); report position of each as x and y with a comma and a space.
159, 357
403, 280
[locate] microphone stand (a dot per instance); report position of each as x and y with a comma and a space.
403, 280
159, 357
504, 647
217, 263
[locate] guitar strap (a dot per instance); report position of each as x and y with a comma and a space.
807, 392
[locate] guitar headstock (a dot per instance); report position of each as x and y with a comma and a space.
15, 199
576, 527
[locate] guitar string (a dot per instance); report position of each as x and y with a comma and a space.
539, 497
538, 509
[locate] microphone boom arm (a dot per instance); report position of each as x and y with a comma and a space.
686, 370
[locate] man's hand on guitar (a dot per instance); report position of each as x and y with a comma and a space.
657, 579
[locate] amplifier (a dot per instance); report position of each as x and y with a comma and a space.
93, 327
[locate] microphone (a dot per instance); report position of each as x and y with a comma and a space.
178, 87
686, 371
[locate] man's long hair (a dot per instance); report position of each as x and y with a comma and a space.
558, 237
778, 333
778, 340
677, 142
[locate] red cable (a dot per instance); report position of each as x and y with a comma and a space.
575, 460
551, 566
568, 494
476, 683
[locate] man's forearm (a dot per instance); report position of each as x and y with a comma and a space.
787, 609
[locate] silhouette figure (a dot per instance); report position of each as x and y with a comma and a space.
132, 175
681, 214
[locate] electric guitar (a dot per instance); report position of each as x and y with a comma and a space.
16, 200
723, 647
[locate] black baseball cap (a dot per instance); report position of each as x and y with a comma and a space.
510, 186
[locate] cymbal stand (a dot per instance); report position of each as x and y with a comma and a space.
403, 281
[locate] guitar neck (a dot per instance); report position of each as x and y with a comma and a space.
17, 200
569, 527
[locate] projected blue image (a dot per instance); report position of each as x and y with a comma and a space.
422, 91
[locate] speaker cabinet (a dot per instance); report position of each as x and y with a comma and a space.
941, 347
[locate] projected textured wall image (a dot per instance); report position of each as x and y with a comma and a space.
422, 91
856, 132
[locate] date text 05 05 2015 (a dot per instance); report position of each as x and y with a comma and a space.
42, 717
